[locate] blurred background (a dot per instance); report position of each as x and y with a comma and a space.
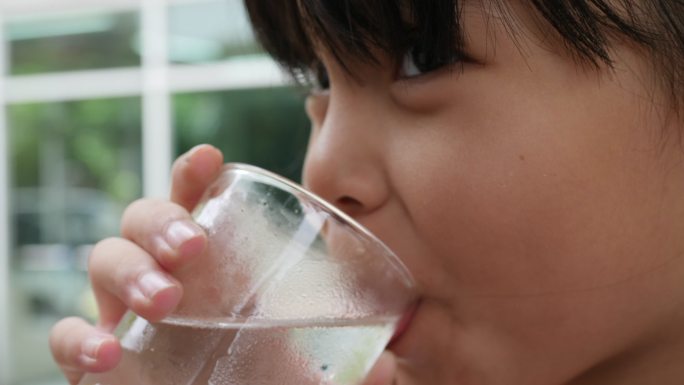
97, 97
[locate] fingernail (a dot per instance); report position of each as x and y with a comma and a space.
179, 232
91, 346
152, 283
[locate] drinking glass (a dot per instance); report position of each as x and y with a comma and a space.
289, 291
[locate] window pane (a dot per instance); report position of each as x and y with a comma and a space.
72, 42
75, 165
265, 127
209, 31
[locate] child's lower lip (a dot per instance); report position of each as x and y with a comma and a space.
403, 324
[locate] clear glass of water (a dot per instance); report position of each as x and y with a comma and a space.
290, 291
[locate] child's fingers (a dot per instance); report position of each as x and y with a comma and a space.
124, 276
192, 172
79, 347
165, 230
383, 371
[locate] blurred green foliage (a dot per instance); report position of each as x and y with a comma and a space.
264, 127
113, 44
101, 142
75, 165
86, 156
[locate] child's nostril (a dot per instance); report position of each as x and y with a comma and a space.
349, 204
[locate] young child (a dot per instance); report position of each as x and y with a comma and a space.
524, 158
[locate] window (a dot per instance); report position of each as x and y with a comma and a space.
96, 99
73, 42
209, 31
234, 122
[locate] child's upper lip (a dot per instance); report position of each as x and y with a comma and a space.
403, 324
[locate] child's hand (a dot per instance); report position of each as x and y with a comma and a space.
132, 271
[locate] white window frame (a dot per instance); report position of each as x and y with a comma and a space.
5, 367
155, 81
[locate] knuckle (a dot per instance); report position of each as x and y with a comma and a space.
100, 251
138, 205
115, 275
129, 214
56, 334
152, 208
146, 215
60, 335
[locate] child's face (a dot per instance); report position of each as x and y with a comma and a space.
538, 203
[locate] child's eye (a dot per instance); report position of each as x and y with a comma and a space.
418, 62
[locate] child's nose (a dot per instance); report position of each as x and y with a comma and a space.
344, 162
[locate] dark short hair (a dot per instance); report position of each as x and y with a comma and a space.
355, 28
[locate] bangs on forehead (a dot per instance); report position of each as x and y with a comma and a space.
353, 29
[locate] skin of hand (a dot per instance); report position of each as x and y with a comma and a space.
135, 270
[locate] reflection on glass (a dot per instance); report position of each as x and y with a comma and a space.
72, 42
264, 127
208, 31
75, 165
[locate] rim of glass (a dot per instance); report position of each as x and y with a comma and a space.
295, 188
